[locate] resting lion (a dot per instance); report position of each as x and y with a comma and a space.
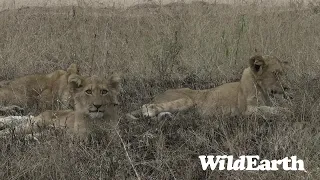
95, 110
264, 77
46, 91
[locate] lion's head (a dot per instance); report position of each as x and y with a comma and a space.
269, 74
61, 87
95, 97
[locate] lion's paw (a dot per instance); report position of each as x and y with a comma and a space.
148, 110
165, 116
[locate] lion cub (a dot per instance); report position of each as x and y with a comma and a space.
95, 112
46, 91
264, 78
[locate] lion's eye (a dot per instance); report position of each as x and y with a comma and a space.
89, 91
104, 91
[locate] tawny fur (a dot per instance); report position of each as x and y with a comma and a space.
265, 76
45, 90
96, 110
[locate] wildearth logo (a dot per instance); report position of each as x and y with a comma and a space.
252, 163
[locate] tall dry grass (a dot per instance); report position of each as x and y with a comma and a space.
156, 48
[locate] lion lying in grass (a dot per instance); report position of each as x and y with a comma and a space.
263, 78
95, 111
46, 91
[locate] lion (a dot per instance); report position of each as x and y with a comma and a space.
265, 77
46, 91
96, 110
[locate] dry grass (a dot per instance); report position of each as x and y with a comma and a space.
197, 46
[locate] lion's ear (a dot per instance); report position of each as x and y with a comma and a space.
73, 69
115, 82
257, 64
75, 81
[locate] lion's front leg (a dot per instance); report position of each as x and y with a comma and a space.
151, 110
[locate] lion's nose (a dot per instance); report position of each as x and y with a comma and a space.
97, 105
